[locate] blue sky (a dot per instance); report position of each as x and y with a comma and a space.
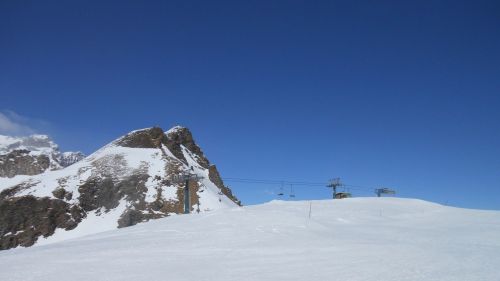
404, 94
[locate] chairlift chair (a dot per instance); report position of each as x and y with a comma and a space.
292, 193
281, 193
384, 190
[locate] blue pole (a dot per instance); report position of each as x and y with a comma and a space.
187, 205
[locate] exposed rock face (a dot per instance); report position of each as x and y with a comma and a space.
20, 162
178, 136
24, 219
147, 138
173, 139
132, 174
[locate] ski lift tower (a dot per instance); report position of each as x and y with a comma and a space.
334, 183
185, 178
384, 190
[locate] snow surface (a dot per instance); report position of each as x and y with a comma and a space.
369, 239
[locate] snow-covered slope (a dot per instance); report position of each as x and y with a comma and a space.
358, 239
126, 182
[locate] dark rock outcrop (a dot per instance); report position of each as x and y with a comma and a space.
20, 162
182, 136
173, 139
147, 138
59, 193
24, 219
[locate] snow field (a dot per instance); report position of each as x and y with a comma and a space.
369, 239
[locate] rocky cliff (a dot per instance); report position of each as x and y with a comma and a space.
20, 162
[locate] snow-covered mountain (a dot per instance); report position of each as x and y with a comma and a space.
32, 155
126, 182
38, 144
357, 239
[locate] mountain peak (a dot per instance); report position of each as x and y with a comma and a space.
174, 139
128, 181
176, 129
143, 138
33, 143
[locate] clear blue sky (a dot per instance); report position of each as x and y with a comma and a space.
404, 94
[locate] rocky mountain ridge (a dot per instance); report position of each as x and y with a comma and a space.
126, 182
32, 155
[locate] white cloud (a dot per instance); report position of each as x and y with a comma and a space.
14, 124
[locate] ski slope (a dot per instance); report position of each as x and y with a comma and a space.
369, 239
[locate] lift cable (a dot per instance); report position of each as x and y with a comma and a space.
301, 183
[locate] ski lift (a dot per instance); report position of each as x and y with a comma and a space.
384, 190
292, 193
281, 193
